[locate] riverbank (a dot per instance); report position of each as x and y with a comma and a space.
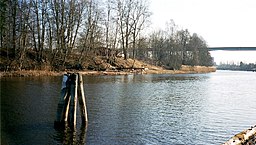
146, 70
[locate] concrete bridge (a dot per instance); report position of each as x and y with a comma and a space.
232, 48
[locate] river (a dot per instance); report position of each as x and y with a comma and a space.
133, 109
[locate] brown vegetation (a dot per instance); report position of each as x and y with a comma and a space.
119, 67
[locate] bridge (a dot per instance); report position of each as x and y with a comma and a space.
232, 48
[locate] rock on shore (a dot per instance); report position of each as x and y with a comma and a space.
246, 137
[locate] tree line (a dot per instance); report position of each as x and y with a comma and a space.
239, 67
36, 34
173, 47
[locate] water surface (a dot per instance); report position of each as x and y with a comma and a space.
133, 109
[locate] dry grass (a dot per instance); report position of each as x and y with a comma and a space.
29, 73
129, 63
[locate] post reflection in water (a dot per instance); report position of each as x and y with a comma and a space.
67, 136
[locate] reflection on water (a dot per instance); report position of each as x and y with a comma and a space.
133, 109
67, 136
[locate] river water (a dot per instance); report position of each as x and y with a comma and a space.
133, 109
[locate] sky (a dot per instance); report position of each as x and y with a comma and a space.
220, 22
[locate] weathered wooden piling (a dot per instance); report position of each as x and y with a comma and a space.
73, 100
61, 105
82, 101
67, 106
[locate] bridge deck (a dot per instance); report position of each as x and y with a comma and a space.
232, 48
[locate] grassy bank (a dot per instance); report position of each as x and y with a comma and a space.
146, 70
118, 67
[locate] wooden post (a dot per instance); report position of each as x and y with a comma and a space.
61, 104
82, 101
73, 100
67, 107
67, 99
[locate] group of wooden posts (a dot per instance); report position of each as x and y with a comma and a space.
71, 91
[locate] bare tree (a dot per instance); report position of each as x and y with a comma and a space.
139, 16
13, 26
38, 26
174, 47
200, 54
3, 22
91, 30
124, 8
23, 39
111, 23
182, 38
39, 32
65, 20
108, 22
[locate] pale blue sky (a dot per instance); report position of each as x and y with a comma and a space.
219, 22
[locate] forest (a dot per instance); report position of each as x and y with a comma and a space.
237, 67
60, 34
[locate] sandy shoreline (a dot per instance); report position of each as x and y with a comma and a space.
183, 70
